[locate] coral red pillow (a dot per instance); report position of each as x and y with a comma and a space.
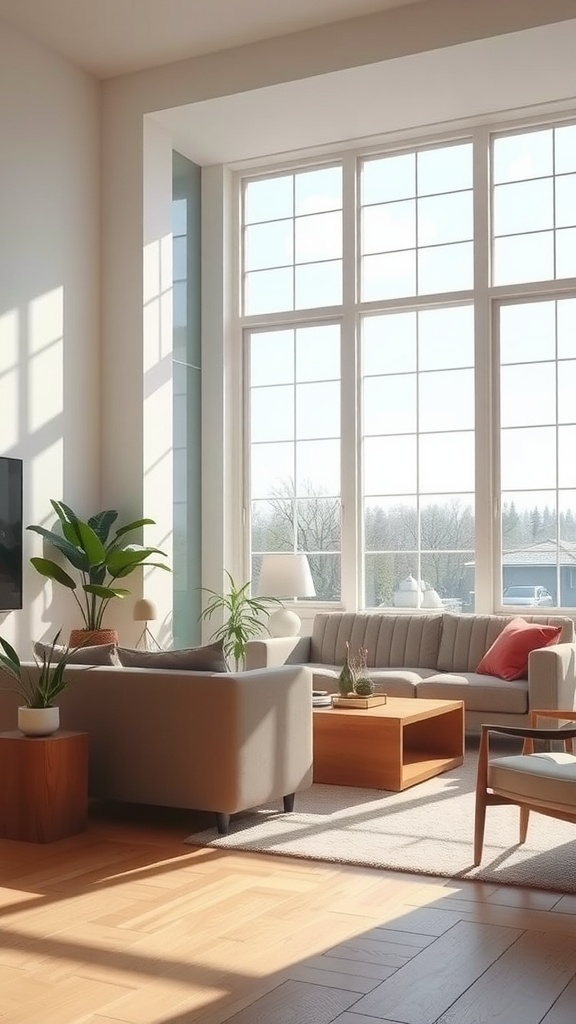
508, 655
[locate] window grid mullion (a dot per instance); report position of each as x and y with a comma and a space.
486, 463
351, 555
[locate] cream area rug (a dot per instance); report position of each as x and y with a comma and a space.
427, 829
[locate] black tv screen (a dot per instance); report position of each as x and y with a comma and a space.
10, 533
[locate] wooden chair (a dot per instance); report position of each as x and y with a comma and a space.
534, 781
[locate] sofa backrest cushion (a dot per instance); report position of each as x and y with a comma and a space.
97, 654
392, 641
210, 658
466, 638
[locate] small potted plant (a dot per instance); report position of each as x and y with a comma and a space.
38, 715
363, 685
244, 617
97, 560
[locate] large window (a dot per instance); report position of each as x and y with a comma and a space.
534, 205
409, 320
418, 455
295, 448
293, 241
416, 236
538, 449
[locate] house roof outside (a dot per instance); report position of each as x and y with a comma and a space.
547, 552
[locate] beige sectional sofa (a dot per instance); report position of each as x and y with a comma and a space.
210, 741
434, 656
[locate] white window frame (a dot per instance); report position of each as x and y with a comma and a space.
486, 299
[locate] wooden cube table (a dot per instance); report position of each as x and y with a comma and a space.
43, 786
393, 746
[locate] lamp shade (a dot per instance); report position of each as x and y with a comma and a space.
286, 575
144, 611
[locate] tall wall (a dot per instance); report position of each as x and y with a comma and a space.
50, 396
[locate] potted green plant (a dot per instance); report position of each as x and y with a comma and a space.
38, 715
98, 561
243, 617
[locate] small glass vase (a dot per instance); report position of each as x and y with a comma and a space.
346, 677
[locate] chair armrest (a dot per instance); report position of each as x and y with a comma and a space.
527, 732
552, 677
557, 713
270, 652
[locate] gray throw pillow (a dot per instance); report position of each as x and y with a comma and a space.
96, 654
209, 658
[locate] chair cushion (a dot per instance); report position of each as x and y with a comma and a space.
479, 692
508, 655
547, 777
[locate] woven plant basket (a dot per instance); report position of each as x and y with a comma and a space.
92, 637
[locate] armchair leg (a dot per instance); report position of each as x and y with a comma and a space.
481, 791
222, 823
479, 822
289, 803
524, 816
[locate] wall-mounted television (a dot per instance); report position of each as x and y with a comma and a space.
10, 533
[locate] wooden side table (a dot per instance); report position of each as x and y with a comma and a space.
43, 786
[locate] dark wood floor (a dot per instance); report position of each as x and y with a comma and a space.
125, 924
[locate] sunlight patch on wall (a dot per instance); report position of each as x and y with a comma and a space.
46, 348
46, 480
157, 283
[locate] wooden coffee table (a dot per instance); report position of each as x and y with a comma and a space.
394, 746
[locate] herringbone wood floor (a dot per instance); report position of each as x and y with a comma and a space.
125, 924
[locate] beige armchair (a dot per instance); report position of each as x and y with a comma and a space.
534, 781
221, 742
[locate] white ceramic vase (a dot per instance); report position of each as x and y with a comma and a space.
38, 721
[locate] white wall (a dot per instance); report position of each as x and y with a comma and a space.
49, 301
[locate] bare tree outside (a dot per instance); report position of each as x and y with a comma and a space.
309, 524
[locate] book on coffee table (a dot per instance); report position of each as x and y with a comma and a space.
321, 699
360, 702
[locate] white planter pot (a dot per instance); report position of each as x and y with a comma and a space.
38, 721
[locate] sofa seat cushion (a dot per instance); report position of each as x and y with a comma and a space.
324, 677
395, 682
399, 682
550, 777
479, 692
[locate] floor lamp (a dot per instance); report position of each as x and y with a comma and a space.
288, 576
145, 611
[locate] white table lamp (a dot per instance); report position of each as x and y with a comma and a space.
285, 576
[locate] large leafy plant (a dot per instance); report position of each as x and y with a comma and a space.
41, 691
244, 617
98, 559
